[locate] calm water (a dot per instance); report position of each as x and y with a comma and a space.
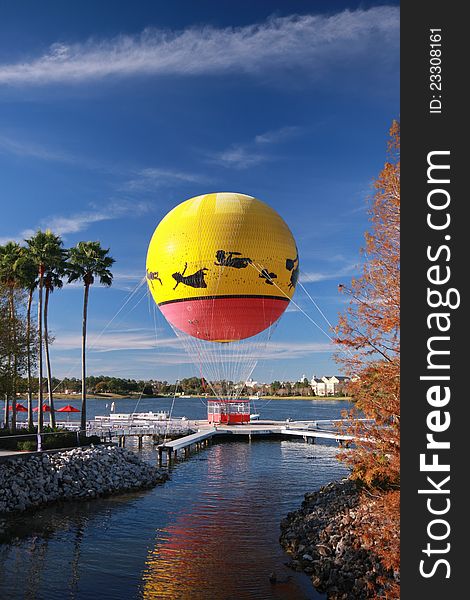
210, 532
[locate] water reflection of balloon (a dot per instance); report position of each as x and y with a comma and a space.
218, 544
222, 268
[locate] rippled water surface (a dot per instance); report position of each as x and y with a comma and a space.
210, 532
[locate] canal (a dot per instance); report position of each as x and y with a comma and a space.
209, 533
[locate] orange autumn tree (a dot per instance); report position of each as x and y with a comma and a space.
368, 333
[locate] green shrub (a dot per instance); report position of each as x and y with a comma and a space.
10, 443
51, 439
28, 445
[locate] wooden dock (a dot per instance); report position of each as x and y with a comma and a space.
182, 435
197, 440
309, 431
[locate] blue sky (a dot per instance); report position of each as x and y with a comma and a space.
111, 113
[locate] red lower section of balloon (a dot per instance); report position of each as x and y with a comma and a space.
224, 319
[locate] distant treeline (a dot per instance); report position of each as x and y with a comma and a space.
103, 384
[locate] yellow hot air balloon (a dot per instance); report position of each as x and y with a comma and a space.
222, 266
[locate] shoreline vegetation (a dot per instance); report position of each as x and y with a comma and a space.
132, 395
346, 535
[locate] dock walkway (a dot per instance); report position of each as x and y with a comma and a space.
181, 434
309, 431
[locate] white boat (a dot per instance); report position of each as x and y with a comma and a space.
161, 415
254, 417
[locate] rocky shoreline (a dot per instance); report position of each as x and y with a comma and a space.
81, 473
323, 538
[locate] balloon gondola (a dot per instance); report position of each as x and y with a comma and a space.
222, 269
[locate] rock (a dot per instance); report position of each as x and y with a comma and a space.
323, 550
323, 539
73, 474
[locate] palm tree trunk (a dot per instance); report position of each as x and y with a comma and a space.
40, 397
28, 358
48, 360
7, 410
8, 389
15, 368
85, 309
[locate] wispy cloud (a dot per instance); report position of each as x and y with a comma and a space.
130, 277
128, 282
295, 350
15, 144
315, 276
81, 220
114, 341
277, 135
137, 352
76, 222
125, 282
312, 42
153, 178
239, 156
32, 150
254, 152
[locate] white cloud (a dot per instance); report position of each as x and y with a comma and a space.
32, 150
126, 282
276, 136
81, 220
128, 277
153, 178
314, 276
24, 148
240, 157
171, 350
6, 239
76, 222
312, 42
243, 156
294, 350
138, 351
113, 341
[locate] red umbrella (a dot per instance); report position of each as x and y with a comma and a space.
45, 408
19, 408
69, 408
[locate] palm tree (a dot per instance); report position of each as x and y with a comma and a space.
10, 277
87, 261
52, 281
45, 250
29, 282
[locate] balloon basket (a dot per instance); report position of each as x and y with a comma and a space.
228, 412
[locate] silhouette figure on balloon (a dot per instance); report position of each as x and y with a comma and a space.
226, 259
267, 276
196, 280
153, 276
293, 265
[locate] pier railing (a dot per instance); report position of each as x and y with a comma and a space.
109, 427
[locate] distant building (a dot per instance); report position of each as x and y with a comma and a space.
329, 385
317, 386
